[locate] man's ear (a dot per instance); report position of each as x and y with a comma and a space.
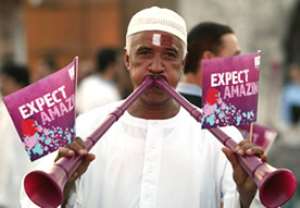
184, 61
182, 69
208, 55
126, 59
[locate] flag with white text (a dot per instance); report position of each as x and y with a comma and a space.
44, 112
230, 90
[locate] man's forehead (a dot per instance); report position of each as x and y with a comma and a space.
157, 38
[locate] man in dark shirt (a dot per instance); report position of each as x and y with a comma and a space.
205, 41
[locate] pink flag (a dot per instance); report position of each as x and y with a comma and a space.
44, 112
230, 90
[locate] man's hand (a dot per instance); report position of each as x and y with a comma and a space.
245, 184
76, 148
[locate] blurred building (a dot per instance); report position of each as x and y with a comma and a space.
31, 29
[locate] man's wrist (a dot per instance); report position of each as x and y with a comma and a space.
246, 199
69, 187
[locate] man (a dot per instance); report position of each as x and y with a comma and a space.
156, 155
100, 82
46, 65
205, 41
13, 158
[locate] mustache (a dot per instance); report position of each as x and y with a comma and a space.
154, 77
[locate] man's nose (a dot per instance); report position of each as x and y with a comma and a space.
156, 66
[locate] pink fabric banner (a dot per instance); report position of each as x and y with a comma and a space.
44, 112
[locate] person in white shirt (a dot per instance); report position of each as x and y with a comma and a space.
99, 88
156, 155
14, 162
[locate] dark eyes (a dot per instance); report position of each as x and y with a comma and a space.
144, 51
148, 52
171, 53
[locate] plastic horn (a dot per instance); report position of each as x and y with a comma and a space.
276, 186
46, 188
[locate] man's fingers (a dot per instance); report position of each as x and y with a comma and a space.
247, 148
64, 152
86, 160
255, 151
90, 157
244, 141
70, 150
242, 147
81, 144
264, 158
78, 146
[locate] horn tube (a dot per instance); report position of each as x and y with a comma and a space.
276, 186
45, 188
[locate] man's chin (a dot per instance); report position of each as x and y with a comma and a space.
155, 96
155, 92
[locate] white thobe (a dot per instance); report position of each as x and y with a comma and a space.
155, 164
14, 161
170, 163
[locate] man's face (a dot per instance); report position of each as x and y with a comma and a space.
230, 46
154, 53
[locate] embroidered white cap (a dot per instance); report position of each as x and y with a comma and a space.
160, 19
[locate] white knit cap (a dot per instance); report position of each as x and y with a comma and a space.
160, 19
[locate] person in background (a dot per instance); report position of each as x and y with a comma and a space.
291, 97
85, 69
99, 88
14, 161
46, 65
205, 41
123, 81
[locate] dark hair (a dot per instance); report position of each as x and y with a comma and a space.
50, 63
106, 57
17, 72
204, 36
